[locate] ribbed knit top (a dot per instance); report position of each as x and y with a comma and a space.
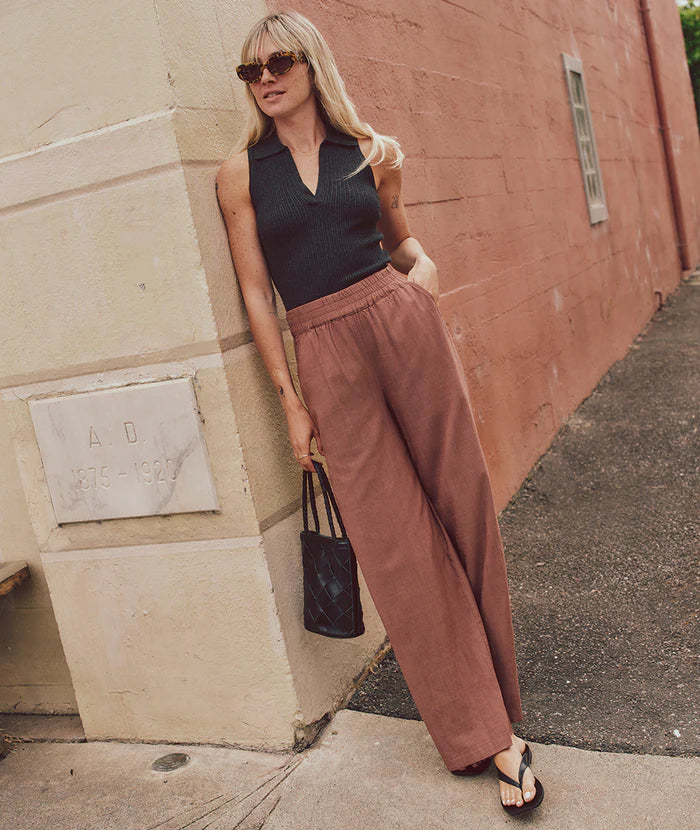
315, 243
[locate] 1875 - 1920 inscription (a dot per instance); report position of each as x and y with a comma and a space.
134, 450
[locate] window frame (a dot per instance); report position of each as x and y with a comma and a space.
597, 208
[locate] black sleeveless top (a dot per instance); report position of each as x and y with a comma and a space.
315, 244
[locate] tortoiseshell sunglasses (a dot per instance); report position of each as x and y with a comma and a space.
278, 63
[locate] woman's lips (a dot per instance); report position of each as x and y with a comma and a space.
272, 96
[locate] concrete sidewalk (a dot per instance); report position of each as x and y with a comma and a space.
365, 771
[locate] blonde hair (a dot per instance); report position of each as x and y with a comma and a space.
292, 31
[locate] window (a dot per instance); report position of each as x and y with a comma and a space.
585, 140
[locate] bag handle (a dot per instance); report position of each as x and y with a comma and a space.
327, 491
308, 479
328, 497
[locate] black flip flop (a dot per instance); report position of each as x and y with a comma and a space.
528, 806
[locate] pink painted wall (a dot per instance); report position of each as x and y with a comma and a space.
539, 302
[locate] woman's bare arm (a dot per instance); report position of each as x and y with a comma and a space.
232, 187
407, 254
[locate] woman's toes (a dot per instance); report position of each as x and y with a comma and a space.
512, 796
509, 795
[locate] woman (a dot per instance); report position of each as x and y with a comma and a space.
311, 198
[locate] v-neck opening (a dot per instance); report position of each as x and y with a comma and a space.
319, 180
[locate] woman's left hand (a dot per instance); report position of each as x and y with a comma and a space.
424, 272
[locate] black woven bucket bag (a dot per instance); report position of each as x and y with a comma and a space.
331, 588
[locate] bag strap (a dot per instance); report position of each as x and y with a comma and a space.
327, 491
308, 480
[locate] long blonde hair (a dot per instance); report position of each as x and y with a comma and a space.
292, 31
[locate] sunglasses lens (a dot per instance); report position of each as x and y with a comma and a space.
249, 72
280, 64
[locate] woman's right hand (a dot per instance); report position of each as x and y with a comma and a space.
301, 430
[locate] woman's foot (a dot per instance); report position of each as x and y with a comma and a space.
508, 761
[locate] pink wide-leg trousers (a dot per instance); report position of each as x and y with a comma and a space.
382, 380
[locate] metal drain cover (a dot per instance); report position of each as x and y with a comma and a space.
167, 763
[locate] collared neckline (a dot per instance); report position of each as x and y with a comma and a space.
271, 144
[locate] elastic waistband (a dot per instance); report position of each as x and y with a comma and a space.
345, 301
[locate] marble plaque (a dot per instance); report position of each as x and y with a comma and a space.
136, 450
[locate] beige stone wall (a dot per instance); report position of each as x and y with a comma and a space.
116, 270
